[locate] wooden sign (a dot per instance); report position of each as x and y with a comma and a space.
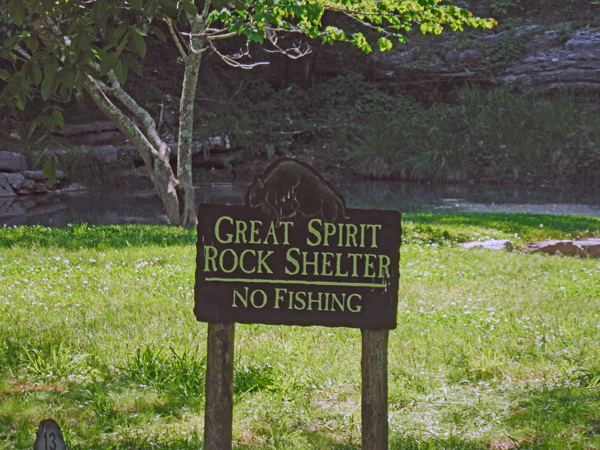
295, 255
49, 436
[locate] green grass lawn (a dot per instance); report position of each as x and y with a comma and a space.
493, 350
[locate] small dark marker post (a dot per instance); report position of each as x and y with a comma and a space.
49, 436
374, 389
218, 409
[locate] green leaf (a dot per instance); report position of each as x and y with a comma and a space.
36, 75
133, 63
158, 33
79, 78
256, 37
99, 15
136, 4
63, 143
65, 92
359, 40
62, 164
219, 4
49, 171
57, 119
4, 75
107, 63
190, 8
169, 7
16, 11
121, 71
150, 9
32, 44
384, 44
47, 88
40, 155
137, 44
67, 77
270, 150
32, 128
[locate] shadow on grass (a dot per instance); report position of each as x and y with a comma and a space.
82, 236
561, 417
527, 226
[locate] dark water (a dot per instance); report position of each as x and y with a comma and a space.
130, 206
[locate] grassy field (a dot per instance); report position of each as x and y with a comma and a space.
494, 350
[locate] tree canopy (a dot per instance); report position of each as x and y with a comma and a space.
95, 37
66, 46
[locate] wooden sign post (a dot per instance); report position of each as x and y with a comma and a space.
295, 255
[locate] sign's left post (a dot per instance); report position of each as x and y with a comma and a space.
218, 410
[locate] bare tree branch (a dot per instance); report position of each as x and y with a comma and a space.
22, 52
231, 60
205, 11
215, 37
176, 39
118, 92
296, 52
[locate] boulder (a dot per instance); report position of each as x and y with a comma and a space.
8, 208
12, 162
95, 133
28, 185
33, 187
75, 187
104, 153
85, 128
139, 172
492, 244
16, 180
585, 247
5, 188
37, 175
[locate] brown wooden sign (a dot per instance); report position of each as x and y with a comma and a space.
295, 255
298, 264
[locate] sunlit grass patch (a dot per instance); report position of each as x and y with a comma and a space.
84, 236
519, 228
492, 350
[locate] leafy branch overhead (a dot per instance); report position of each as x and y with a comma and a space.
95, 38
65, 46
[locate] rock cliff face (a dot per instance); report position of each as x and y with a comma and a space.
540, 56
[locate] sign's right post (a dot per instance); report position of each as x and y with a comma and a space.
374, 389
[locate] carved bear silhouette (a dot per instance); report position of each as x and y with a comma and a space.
289, 187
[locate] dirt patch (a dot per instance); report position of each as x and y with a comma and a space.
18, 388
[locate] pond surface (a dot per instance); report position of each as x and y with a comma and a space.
117, 206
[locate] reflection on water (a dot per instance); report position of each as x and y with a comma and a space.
122, 206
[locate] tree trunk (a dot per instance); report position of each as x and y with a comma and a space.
185, 189
155, 154
176, 193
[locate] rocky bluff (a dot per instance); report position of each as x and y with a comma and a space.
541, 53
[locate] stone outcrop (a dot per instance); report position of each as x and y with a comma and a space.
492, 244
585, 247
22, 181
95, 133
6, 189
12, 162
529, 55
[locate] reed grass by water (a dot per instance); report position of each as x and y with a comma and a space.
493, 350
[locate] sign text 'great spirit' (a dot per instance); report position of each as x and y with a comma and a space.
295, 255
